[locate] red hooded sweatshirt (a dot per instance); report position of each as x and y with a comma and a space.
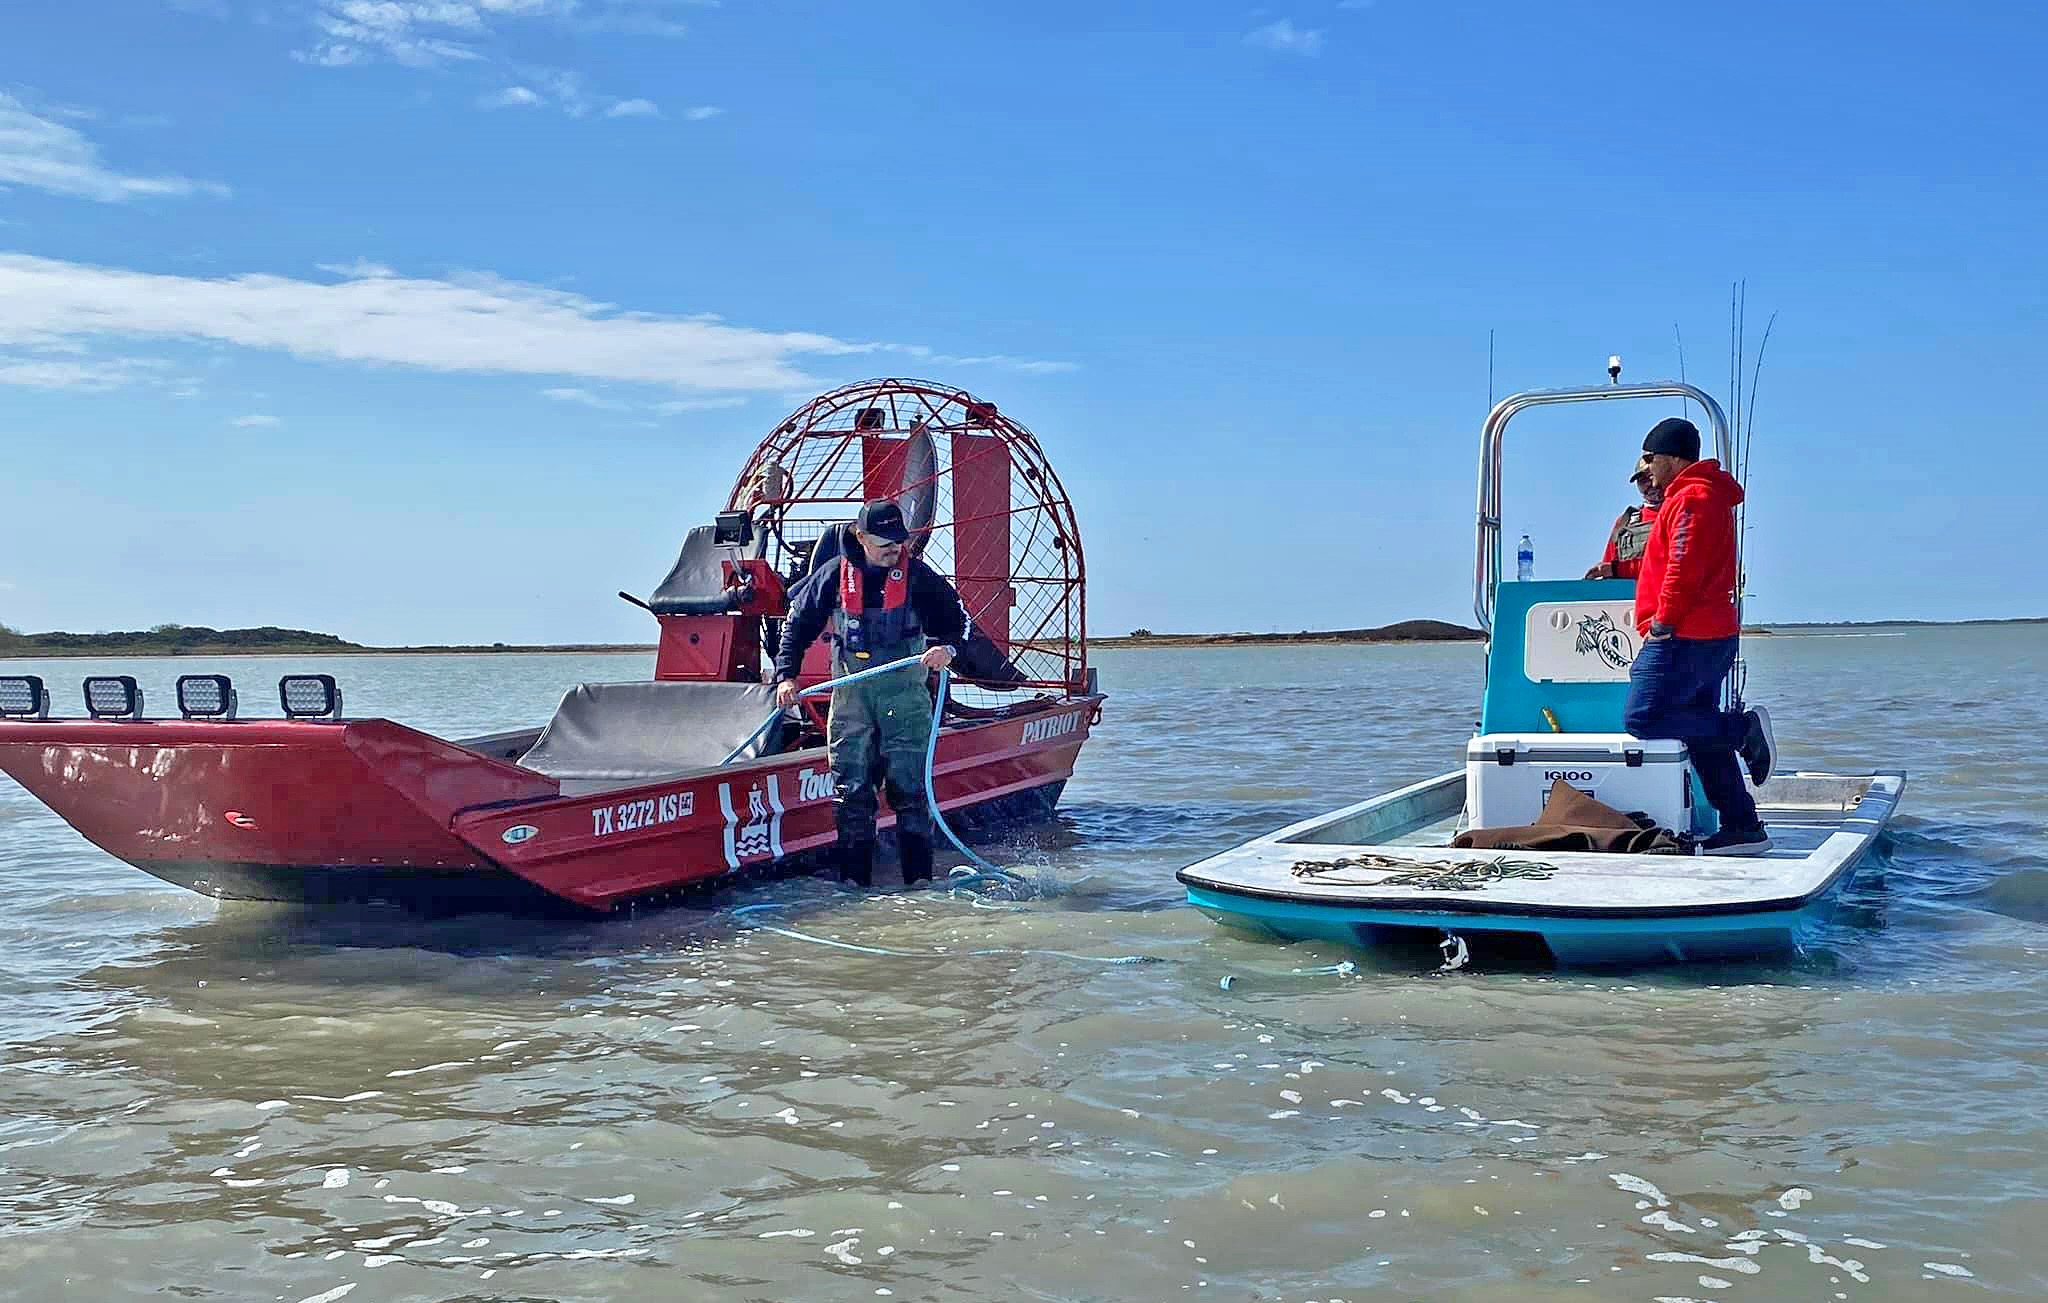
1688, 576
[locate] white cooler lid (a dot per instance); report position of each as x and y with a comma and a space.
1575, 748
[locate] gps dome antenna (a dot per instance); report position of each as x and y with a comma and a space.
1613, 368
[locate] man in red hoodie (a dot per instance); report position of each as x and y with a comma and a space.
1686, 612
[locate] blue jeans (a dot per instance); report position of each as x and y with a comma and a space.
1674, 690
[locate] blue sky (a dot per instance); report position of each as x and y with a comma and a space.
439, 320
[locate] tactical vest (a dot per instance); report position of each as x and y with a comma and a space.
1631, 535
865, 631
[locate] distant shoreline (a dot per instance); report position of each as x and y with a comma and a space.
28, 651
178, 643
1892, 624
1412, 631
187, 641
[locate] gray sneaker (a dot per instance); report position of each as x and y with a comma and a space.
1737, 841
1759, 747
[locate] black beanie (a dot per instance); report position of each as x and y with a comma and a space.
1674, 436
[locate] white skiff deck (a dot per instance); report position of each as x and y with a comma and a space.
1820, 824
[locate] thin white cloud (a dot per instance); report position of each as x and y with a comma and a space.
565, 89
635, 109
477, 324
702, 113
698, 405
63, 369
1029, 366
1355, 4
512, 97
1283, 36
416, 33
634, 24
670, 407
256, 420
478, 35
360, 269
585, 398
47, 155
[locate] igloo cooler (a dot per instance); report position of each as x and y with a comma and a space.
1507, 775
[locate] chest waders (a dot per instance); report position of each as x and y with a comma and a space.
879, 728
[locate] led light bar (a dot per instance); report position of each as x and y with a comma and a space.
113, 696
206, 696
23, 696
309, 696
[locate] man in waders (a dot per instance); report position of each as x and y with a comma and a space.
1686, 613
1624, 556
883, 605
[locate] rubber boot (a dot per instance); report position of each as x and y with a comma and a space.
856, 863
916, 854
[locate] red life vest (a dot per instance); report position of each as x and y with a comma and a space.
862, 628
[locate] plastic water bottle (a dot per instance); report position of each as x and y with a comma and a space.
1525, 560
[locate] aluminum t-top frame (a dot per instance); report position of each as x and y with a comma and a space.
1486, 568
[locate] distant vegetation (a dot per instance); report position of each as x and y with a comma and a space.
198, 640
1404, 631
171, 640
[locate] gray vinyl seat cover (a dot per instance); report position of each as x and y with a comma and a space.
607, 735
695, 585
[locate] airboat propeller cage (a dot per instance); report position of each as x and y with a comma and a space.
984, 507
1486, 567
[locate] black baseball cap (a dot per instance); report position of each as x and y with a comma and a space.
1674, 436
1642, 468
883, 520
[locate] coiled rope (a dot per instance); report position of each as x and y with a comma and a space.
1428, 875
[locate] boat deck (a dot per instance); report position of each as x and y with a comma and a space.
1820, 824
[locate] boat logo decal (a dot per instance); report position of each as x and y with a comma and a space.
647, 812
760, 836
813, 786
238, 819
518, 833
1600, 636
1047, 727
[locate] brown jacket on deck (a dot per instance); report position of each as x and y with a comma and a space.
1574, 821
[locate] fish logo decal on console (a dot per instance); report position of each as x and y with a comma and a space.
1600, 636
760, 837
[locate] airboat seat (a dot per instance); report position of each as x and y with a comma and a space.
832, 543
607, 735
696, 583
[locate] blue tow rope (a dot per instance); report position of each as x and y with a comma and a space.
961, 879
1115, 961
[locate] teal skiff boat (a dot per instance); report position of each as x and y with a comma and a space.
1558, 654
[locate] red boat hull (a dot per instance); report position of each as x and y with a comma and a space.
372, 811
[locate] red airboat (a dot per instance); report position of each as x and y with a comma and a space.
629, 792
